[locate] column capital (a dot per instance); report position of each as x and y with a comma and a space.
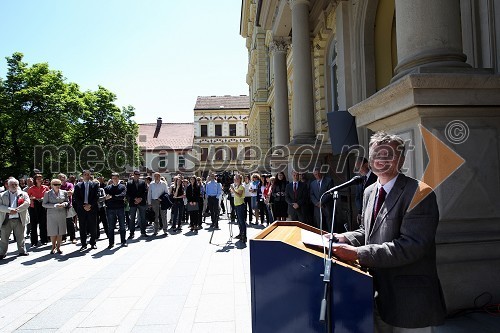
293, 3
280, 44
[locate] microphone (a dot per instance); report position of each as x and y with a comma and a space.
354, 181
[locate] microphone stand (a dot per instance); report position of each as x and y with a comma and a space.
326, 301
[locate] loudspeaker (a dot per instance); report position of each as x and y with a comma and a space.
342, 130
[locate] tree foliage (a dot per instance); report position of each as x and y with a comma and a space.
50, 124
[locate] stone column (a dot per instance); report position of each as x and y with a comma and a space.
281, 114
428, 35
303, 99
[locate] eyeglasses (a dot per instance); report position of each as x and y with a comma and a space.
385, 157
56, 184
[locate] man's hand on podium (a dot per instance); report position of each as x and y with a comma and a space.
340, 238
345, 252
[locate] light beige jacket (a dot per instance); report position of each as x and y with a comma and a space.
23, 208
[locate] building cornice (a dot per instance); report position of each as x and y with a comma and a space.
428, 89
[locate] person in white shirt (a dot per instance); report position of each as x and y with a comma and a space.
155, 190
254, 189
248, 199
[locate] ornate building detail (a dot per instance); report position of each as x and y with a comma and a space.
279, 45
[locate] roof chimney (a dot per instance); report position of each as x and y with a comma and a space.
158, 127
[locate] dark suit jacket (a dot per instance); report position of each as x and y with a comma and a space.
302, 196
360, 189
193, 193
400, 251
316, 193
79, 197
141, 191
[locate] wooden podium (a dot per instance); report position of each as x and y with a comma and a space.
287, 286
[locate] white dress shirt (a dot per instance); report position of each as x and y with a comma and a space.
13, 204
156, 190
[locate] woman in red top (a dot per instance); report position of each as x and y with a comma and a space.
38, 214
264, 212
268, 199
268, 190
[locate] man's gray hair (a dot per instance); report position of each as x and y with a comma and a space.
12, 181
381, 137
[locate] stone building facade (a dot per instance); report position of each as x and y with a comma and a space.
423, 69
221, 138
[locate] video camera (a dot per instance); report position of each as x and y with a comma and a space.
226, 179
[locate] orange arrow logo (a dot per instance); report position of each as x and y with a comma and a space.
443, 162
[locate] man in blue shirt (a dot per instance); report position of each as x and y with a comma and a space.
214, 191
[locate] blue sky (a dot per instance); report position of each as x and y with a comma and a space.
157, 55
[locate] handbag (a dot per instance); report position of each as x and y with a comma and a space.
70, 212
150, 214
192, 208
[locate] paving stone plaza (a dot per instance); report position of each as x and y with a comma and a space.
174, 283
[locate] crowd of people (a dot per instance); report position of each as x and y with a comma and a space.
52, 211
395, 240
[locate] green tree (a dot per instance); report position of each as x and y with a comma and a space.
49, 124
104, 134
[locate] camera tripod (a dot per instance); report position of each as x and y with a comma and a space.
230, 223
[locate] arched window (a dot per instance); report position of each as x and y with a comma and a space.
333, 78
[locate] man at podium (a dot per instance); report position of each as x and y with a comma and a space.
396, 241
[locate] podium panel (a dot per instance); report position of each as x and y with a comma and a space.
287, 287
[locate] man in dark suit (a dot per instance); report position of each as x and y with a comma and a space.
363, 168
85, 199
318, 186
396, 241
137, 195
296, 196
308, 209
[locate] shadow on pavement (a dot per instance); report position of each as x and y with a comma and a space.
10, 257
33, 261
106, 252
71, 255
191, 233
